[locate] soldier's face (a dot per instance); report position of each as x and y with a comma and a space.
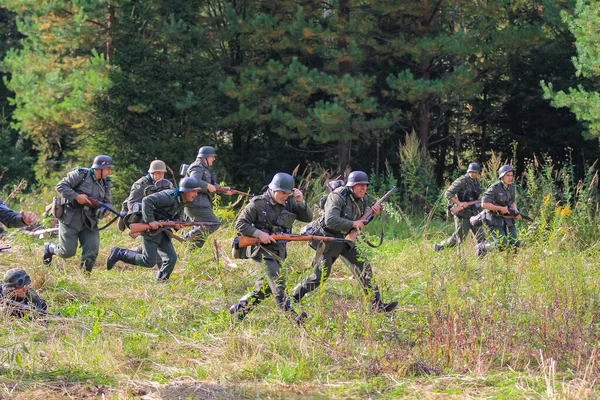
20, 292
188, 197
102, 173
210, 160
280, 196
359, 190
508, 178
157, 176
474, 175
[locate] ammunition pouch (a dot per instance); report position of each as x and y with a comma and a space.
183, 169
58, 207
237, 251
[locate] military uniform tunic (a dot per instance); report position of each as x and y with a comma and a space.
341, 210
264, 214
136, 193
80, 222
10, 218
503, 229
164, 205
465, 189
201, 208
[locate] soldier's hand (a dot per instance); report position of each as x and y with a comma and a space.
376, 209
28, 218
154, 224
505, 210
211, 188
265, 238
228, 192
82, 199
105, 213
359, 223
298, 195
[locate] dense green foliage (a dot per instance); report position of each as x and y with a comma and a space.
331, 85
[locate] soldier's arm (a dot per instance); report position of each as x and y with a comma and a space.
245, 222
149, 204
457, 186
302, 210
197, 171
488, 201
67, 184
108, 193
35, 300
333, 213
10, 218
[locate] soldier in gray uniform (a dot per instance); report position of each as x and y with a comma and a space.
79, 221
13, 219
272, 212
465, 189
201, 208
496, 201
343, 209
155, 173
159, 206
16, 287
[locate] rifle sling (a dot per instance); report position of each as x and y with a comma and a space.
381, 235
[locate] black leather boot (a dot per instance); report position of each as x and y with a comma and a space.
49, 251
119, 254
380, 306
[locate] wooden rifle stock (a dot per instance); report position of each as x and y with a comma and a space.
368, 215
457, 208
514, 213
142, 227
221, 189
245, 241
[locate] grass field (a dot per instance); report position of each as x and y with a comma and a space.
522, 325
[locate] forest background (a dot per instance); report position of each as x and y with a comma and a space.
330, 84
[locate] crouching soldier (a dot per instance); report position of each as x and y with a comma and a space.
79, 221
273, 212
497, 200
159, 206
16, 295
343, 209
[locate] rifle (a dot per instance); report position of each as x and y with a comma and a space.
221, 189
245, 241
457, 208
23, 308
142, 227
368, 215
4, 248
98, 204
514, 213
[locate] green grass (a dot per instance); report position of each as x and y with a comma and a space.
508, 326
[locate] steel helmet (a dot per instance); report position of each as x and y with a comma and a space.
157, 166
474, 167
189, 184
282, 181
15, 278
503, 170
102, 161
357, 177
206, 151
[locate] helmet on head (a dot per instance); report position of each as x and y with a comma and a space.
102, 161
157, 166
282, 181
503, 170
357, 177
15, 278
189, 185
206, 151
474, 167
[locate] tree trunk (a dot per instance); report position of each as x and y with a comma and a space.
344, 146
